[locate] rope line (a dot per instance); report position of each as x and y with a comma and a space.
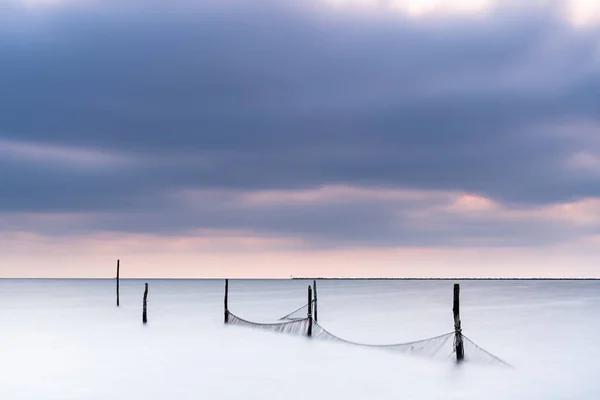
492, 358
287, 316
335, 337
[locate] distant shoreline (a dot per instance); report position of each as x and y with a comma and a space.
450, 279
322, 279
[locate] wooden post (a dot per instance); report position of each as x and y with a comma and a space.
144, 313
225, 301
309, 331
117, 283
316, 301
458, 340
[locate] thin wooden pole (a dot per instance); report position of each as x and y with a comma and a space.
316, 301
118, 283
144, 313
225, 301
458, 340
309, 331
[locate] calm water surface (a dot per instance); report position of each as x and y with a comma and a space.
66, 339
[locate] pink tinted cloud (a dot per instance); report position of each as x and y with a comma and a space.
199, 240
339, 193
182, 257
424, 208
466, 205
580, 212
585, 161
243, 253
577, 13
60, 155
203, 253
472, 203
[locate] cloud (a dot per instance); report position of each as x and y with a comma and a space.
313, 219
583, 12
39, 153
304, 120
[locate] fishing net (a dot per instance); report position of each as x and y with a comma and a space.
477, 354
443, 346
438, 347
300, 313
297, 327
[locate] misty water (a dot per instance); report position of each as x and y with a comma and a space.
66, 339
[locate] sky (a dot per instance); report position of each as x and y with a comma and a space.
265, 138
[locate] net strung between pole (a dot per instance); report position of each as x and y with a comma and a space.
438, 347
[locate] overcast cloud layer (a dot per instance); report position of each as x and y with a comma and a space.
331, 126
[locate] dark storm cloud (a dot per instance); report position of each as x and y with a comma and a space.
268, 96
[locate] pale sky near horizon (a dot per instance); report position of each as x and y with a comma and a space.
264, 138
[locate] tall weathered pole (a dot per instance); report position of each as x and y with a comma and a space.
226, 308
316, 301
458, 339
144, 312
117, 283
310, 318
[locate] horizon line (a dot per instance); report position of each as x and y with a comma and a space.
313, 278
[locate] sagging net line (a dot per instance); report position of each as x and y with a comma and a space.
299, 313
297, 327
441, 347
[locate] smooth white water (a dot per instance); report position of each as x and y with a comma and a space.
66, 339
